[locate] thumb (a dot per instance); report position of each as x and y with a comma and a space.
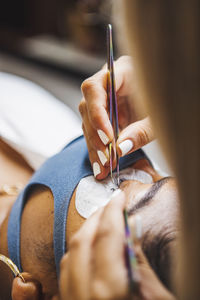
31, 289
135, 136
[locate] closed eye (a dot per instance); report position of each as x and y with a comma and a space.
122, 180
145, 200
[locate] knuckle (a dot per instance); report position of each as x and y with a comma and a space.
87, 85
82, 106
94, 142
143, 136
90, 139
94, 114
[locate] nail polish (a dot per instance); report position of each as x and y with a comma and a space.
103, 136
96, 169
103, 159
125, 146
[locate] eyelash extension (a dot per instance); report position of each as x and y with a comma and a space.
122, 180
114, 189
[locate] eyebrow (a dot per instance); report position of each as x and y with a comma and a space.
148, 197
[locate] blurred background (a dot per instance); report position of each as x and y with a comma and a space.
57, 44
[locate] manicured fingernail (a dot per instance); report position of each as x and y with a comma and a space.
102, 157
103, 136
96, 169
126, 146
138, 227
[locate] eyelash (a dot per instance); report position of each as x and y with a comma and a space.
120, 181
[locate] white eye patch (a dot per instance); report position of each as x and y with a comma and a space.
92, 194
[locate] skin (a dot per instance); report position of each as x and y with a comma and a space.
109, 278
93, 108
13, 167
37, 221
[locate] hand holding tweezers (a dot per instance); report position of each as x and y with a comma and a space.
113, 114
113, 110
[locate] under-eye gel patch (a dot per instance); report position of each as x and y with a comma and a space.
92, 194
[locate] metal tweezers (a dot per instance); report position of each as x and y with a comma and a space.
113, 113
113, 110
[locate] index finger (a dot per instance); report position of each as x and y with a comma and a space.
76, 265
95, 93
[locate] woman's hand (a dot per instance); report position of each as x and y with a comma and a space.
31, 289
94, 267
96, 125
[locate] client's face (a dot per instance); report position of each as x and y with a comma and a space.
157, 204
149, 195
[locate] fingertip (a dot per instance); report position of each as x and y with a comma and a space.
102, 157
96, 169
100, 122
28, 290
125, 147
100, 173
103, 136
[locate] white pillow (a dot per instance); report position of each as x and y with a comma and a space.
34, 122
